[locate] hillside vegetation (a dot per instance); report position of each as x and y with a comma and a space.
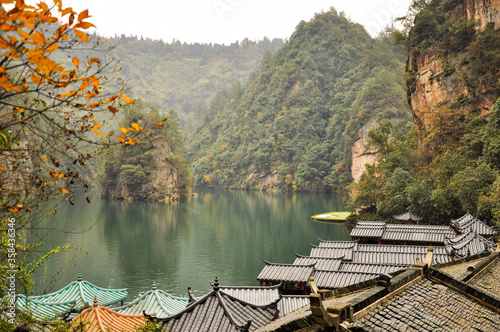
185, 77
451, 163
292, 126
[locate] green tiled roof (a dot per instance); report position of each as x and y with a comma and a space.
83, 293
43, 310
156, 302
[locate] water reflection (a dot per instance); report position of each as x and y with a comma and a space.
221, 233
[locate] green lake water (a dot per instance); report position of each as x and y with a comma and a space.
220, 233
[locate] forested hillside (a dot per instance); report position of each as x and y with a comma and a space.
450, 164
293, 125
185, 76
152, 168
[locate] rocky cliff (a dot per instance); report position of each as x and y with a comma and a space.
450, 75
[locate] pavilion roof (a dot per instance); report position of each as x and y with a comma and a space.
469, 244
219, 311
154, 301
407, 216
468, 223
102, 319
43, 310
82, 293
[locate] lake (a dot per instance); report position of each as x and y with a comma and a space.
220, 233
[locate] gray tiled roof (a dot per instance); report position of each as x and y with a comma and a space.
368, 229
370, 268
289, 303
468, 223
338, 279
286, 273
469, 244
331, 252
488, 279
336, 244
377, 257
253, 295
321, 263
428, 306
416, 233
220, 312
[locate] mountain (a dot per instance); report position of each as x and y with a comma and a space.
183, 76
294, 124
450, 163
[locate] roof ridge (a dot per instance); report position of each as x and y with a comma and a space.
350, 272
317, 257
315, 246
228, 313
282, 264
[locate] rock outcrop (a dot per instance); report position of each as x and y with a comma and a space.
442, 83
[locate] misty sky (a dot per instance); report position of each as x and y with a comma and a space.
226, 21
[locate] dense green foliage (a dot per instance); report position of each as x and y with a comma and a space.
183, 76
451, 167
299, 115
154, 168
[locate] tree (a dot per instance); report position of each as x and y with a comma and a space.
54, 102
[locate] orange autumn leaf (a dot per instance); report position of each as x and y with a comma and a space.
76, 62
99, 133
112, 109
81, 35
85, 85
54, 174
38, 38
111, 99
127, 100
121, 139
92, 116
92, 60
135, 126
37, 79
64, 191
84, 25
17, 208
124, 130
160, 124
83, 15
96, 126
94, 80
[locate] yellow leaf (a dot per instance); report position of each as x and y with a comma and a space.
111, 99
127, 100
135, 126
38, 38
84, 25
64, 191
121, 139
99, 133
84, 85
94, 80
45, 158
96, 126
81, 35
24, 34
124, 130
92, 60
37, 79
83, 15
76, 62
